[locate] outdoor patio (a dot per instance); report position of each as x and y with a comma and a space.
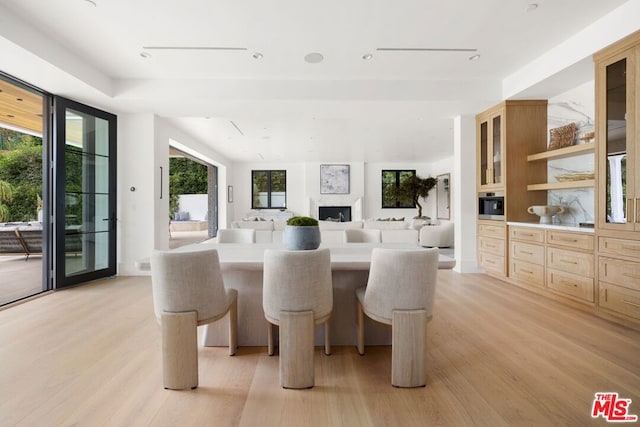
20, 278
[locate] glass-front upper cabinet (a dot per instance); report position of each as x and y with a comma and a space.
490, 150
618, 162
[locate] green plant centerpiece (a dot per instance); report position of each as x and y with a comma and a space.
301, 233
415, 188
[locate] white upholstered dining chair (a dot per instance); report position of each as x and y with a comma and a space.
188, 291
400, 293
236, 235
297, 294
357, 235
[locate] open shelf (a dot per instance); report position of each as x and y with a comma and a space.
563, 152
585, 183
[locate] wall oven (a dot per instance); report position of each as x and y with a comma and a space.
491, 205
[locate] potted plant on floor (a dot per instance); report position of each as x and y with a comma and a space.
301, 233
415, 188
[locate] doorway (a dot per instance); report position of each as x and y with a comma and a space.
84, 193
23, 195
193, 199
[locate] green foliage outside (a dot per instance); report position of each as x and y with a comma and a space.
302, 221
265, 185
185, 177
391, 197
73, 158
20, 176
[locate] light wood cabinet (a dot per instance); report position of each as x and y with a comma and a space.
571, 261
490, 142
527, 256
574, 285
506, 134
571, 240
618, 135
553, 261
617, 69
491, 247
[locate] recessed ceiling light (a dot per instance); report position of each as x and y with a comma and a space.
258, 55
313, 57
145, 55
91, 2
367, 56
474, 57
531, 7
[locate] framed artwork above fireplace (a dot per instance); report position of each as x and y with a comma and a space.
334, 179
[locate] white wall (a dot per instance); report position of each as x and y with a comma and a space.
577, 49
143, 214
303, 186
136, 189
463, 193
196, 204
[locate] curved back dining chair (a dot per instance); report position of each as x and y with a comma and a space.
297, 294
236, 235
188, 291
400, 293
357, 235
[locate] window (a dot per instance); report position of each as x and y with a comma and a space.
268, 189
391, 180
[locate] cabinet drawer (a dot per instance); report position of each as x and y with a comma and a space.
526, 234
630, 248
490, 262
525, 271
570, 240
619, 272
622, 300
491, 245
570, 284
528, 252
572, 262
496, 231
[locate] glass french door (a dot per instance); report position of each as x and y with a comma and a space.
84, 193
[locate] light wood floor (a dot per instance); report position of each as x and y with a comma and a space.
497, 355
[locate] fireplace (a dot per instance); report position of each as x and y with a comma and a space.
334, 213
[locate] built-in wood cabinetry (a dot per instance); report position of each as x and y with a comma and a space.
618, 136
618, 168
553, 261
506, 135
492, 241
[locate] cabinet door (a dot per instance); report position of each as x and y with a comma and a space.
617, 151
490, 150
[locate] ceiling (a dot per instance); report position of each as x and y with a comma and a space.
396, 106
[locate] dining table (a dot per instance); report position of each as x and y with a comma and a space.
242, 265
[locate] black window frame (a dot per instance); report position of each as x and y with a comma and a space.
398, 173
269, 172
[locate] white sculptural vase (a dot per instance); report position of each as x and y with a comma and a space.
545, 213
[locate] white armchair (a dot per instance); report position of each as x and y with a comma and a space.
440, 235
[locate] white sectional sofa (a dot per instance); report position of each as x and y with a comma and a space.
333, 232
